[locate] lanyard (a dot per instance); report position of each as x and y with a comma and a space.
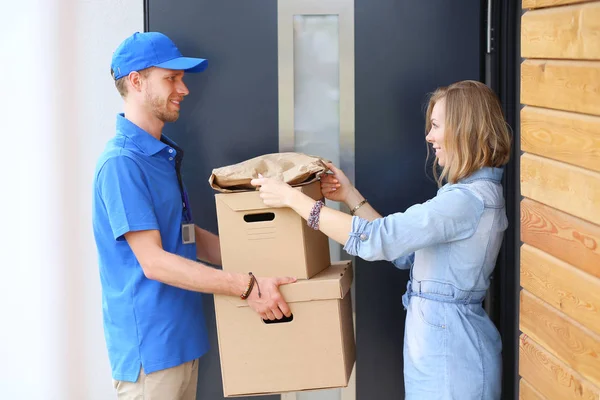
187, 212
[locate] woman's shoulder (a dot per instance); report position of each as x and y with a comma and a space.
488, 192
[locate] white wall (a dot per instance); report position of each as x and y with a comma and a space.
58, 106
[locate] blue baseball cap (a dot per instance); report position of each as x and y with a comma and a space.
151, 49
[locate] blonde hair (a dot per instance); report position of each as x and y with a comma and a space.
121, 83
476, 134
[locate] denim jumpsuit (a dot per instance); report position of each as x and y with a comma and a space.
450, 243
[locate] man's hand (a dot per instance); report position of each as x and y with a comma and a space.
271, 304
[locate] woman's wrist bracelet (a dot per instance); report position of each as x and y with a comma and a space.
315, 212
359, 205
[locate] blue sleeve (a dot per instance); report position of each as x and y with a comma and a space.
452, 215
404, 262
126, 196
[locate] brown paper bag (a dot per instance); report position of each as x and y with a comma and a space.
293, 168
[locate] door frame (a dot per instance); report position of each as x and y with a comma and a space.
503, 78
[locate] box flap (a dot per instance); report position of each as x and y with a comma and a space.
250, 200
332, 283
242, 201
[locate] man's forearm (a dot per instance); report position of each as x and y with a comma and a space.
208, 247
178, 271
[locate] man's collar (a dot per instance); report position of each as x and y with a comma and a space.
142, 139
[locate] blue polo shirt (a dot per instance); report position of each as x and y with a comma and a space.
146, 323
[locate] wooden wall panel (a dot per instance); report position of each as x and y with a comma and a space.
527, 4
570, 342
561, 285
563, 85
568, 238
559, 355
568, 188
527, 392
550, 377
563, 32
564, 136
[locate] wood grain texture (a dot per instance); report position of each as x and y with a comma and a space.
563, 85
548, 378
561, 285
529, 4
568, 238
527, 392
564, 136
564, 338
571, 32
565, 187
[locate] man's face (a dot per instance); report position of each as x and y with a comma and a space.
163, 92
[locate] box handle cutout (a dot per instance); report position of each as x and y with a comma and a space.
279, 321
262, 217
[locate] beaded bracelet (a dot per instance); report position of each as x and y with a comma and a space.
313, 218
248, 290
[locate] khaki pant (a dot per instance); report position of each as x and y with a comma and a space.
177, 383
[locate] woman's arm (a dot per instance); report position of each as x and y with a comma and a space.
366, 211
452, 215
337, 187
332, 223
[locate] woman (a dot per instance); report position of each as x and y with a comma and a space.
450, 244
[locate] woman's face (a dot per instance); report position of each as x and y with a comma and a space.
436, 135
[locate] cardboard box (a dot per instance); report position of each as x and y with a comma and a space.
315, 350
257, 238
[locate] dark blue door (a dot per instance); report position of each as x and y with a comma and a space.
403, 50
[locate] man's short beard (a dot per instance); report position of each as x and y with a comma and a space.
160, 111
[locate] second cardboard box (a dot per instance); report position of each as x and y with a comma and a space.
256, 238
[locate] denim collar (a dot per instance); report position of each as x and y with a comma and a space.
485, 173
142, 139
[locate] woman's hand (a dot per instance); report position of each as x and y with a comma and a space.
273, 192
336, 186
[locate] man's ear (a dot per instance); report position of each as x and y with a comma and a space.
135, 80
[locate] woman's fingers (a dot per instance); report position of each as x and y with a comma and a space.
333, 168
328, 178
258, 181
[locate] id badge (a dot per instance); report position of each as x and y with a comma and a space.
188, 233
